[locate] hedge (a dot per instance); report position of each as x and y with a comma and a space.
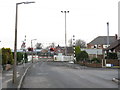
7, 56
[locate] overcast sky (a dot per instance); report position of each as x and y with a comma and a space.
44, 21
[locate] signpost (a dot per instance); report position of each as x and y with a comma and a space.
24, 50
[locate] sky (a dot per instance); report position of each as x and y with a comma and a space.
44, 21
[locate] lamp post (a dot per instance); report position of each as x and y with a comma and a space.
65, 32
15, 42
32, 49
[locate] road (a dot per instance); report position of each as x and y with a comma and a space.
45, 74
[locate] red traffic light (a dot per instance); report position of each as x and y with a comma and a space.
51, 49
30, 49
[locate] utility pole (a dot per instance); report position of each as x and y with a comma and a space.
15, 42
65, 33
15, 47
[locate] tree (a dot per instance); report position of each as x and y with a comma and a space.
19, 56
7, 57
80, 43
52, 45
77, 50
111, 55
82, 56
39, 46
95, 60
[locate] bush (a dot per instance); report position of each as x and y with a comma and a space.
95, 60
77, 50
19, 56
83, 55
7, 56
111, 56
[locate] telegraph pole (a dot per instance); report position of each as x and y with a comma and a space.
15, 47
15, 42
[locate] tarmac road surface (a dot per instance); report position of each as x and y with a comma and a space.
45, 74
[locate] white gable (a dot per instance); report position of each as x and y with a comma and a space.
93, 51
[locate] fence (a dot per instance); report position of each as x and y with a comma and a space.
63, 58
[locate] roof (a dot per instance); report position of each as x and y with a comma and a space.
114, 45
102, 40
69, 49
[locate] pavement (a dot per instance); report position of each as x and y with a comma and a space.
7, 76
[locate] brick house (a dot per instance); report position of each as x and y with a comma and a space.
114, 47
60, 49
101, 42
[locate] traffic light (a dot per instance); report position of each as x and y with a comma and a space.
30, 49
51, 49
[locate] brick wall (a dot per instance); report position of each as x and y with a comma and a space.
90, 64
114, 62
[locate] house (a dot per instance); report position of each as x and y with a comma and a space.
96, 47
98, 53
59, 49
101, 42
114, 47
70, 51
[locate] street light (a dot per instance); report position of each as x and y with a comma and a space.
32, 49
65, 32
15, 43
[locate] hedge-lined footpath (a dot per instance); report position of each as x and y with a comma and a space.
7, 58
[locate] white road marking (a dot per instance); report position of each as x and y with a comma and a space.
10, 74
8, 80
11, 79
42, 73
